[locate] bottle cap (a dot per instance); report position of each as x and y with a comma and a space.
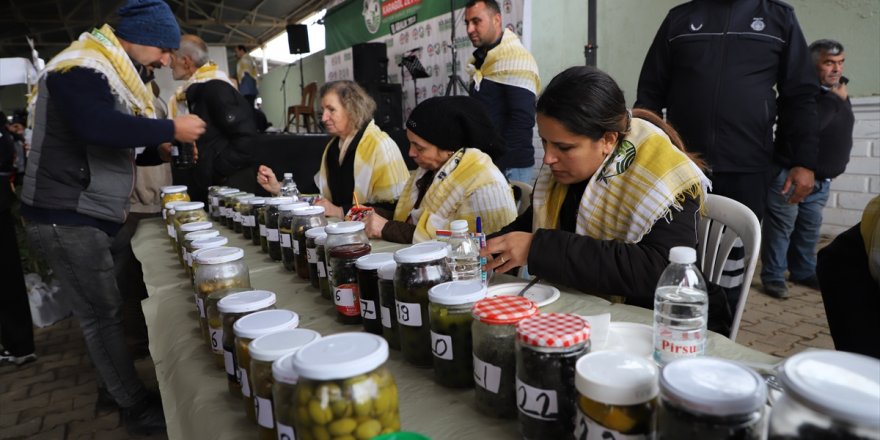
504, 309
682, 255
459, 226
617, 378
712, 386
341, 356
288, 175
553, 330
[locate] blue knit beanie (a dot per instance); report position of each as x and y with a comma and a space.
148, 23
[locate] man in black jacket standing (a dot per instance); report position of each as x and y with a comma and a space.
716, 67
224, 151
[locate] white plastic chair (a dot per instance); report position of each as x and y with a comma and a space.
725, 221
525, 197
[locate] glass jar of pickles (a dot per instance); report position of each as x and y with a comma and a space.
197, 246
272, 376
285, 232
303, 220
215, 324
273, 238
173, 193
548, 347
227, 203
168, 213
419, 268
261, 226
249, 218
321, 267
209, 205
187, 248
387, 309
247, 329
617, 396
216, 212
368, 289
232, 308
237, 219
189, 212
450, 314
218, 269
186, 228
827, 395
346, 391
710, 399
346, 242
494, 338
312, 254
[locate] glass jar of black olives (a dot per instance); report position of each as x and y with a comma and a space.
450, 313
312, 254
706, 398
285, 233
249, 218
548, 346
304, 219
387, 309
217, 211
494, 339
419, 268
368, 289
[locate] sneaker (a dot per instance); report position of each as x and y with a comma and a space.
776, 289
811, 281
145, 417
7, 356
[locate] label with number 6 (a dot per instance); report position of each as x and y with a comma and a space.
345, 298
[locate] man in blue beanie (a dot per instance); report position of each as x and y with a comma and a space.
93, 120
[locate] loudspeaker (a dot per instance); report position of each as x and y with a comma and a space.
389, 105
298, 38
369, 63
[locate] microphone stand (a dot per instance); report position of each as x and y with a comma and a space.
284, 95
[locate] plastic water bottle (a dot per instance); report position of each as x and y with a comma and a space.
681, 308
288, 187
464, 253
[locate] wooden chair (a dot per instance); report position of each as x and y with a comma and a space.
306, 109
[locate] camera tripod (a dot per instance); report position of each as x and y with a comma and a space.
455, 81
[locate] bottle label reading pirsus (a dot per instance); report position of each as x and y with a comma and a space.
486, 375
441, 345
409, 314
345, 298
536, 402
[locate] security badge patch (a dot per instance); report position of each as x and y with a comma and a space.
757, 24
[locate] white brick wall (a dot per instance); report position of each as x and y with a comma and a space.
861, 182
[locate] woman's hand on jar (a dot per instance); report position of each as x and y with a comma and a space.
509, 251
330, 210
266, 178
373, 224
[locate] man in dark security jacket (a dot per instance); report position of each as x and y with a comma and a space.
224, 151
713, 66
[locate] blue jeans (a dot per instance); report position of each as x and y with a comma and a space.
81, 261
790, 232
525, 175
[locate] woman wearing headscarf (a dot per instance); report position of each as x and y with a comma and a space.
615, 193
453, 142
360, 158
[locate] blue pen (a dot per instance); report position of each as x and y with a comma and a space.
483, 273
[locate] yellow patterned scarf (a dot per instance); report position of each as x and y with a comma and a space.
99, 50
379, 170
870, 229
177, 103
639, 183
244, 65
466, 186
509, 63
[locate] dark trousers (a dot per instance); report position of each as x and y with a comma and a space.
16, 328
130, 280
851, 296
750, 189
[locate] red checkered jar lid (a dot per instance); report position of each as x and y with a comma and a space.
556, 330
504, 309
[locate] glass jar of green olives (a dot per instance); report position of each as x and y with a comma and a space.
312, 254
168, 213
419, 268
617, 396
197, 246
247, 329
249, 218
187, 248
273, 217
232, 308
271, 376
494, 338
216, 211
172, 193
450, 313
387, 309
186, 228
188, 212
303, 220
217, 269
227, 203
345, 389
368, 289
710, 399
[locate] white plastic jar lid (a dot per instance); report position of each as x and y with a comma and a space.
174, 204
340, 356
279, 200
189, 206
247, 301
272, 346
344, 228
219, 255
173, 189
309, 210
200, 235
422, 253
617, 378
712, 386
846, 386
374, 261
293, 206
227, 191
386, 272
454, 293
315, 232
321, 240
244, 196
262, 323
195, 226
208, 243
254, 201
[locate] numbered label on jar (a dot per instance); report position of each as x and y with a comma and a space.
236, 217
215, 201
263, 408
486, 375
441, 345
271, 234
170, 230
386, 317
322, 272
200, 304
229, 362
536, 402
263, 231
368, 309
285, 432
243, 380
345, 298
285, 240
295, 247
586, 428
409, 314
216, 340
250, 220
312, 255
